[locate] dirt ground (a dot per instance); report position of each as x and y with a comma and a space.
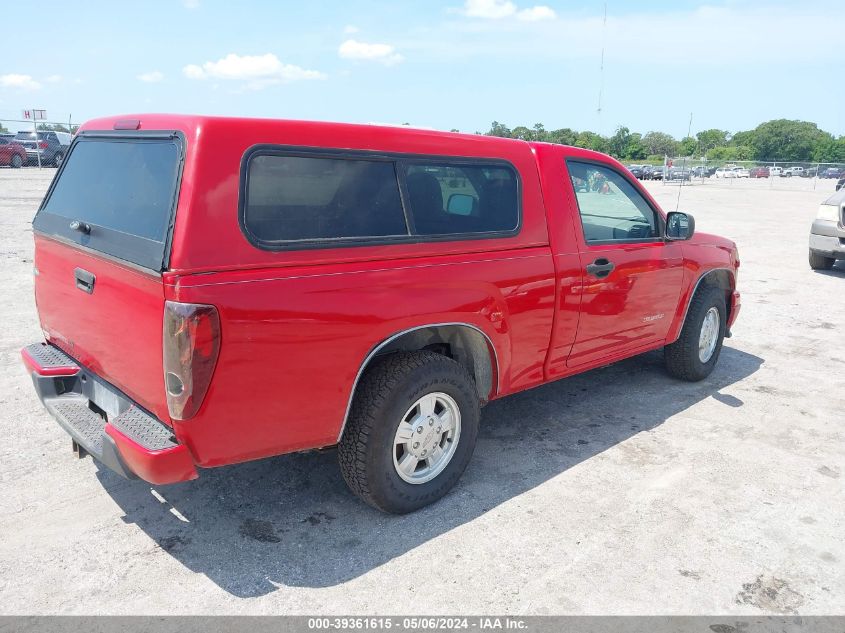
621, 491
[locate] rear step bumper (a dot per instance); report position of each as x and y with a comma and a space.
105, 423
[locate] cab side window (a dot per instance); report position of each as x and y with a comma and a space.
611, 208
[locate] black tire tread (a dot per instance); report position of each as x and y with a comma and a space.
820, 262
376, 387
681, 356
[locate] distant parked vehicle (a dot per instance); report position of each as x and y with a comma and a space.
840, 183
810, 172
827, 237
636, 171
12, 153
656, 173
679, 173
789, 172
832, 172
51, 146
759, 172
775, 172
731, 171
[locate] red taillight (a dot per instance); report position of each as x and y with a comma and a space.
191, 345
42, 144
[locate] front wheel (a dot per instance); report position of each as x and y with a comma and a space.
17, 161
820, 262
411, 431
58, 158
694, 355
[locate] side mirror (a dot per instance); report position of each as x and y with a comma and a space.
460, 204
679, 226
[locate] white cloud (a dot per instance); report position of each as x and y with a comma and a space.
489, 9
498, 9
21, 82
259, 71
349, 29
191, 4
384, 53
151, 77
535, 14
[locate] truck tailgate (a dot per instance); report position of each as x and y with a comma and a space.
113, 328
101, 242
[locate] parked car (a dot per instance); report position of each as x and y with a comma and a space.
758, 172
636, 171
827, 235
12, 153
703, 172
741, 172
840, 183
365, 294
656, 173
724, 172
52, 146
792, 171
679, 173
832, 172
775, 171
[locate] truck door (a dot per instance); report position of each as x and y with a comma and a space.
631, 276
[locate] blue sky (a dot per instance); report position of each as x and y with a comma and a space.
439, 63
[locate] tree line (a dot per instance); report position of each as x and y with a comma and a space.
779, 140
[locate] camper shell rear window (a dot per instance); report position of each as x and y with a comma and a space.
116, 194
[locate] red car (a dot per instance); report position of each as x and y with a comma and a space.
758, 172
11, 153
219, 290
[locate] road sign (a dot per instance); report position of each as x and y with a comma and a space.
35, 115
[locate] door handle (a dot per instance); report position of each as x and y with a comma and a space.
601, 267
84, 280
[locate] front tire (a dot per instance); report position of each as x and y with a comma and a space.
16, 162
411, 431
58, 158
694, 355
820, 262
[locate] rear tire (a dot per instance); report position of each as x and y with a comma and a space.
16, 162
387, 405
820, 262
694, 355
58, 157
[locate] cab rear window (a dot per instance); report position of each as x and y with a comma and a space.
116, 196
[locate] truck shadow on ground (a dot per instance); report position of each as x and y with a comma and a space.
291, 521
838, 270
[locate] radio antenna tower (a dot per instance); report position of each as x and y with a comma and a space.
601, 67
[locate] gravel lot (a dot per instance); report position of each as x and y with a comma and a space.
620, 491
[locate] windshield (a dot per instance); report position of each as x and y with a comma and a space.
123, 189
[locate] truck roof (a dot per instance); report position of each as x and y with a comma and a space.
160, 121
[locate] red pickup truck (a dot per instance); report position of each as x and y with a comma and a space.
216, 290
